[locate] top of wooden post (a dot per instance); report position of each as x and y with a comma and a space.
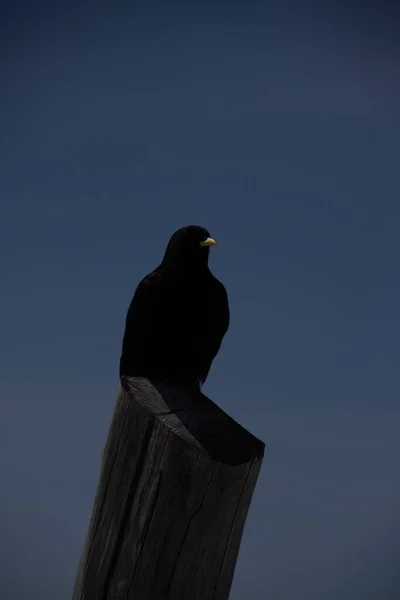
196, 419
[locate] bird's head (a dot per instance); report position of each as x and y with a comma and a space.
189, 246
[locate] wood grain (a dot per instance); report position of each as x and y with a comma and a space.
176, 482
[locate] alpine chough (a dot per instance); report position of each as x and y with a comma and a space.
178, 316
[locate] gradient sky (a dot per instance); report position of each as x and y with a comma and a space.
277, 127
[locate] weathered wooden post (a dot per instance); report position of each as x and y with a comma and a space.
176, 482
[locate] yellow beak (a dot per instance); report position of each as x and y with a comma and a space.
209, 242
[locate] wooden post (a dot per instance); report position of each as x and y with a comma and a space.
176, 482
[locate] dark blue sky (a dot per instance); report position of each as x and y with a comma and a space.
277, 127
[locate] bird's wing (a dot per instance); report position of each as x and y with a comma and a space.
221, 307
143, 320
217, 325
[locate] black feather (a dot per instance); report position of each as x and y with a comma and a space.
178, 316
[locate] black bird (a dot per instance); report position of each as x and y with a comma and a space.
178, 316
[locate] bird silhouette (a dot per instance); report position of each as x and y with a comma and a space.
178, 315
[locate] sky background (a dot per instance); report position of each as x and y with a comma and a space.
276, 125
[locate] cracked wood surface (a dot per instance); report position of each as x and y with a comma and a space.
176, 482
